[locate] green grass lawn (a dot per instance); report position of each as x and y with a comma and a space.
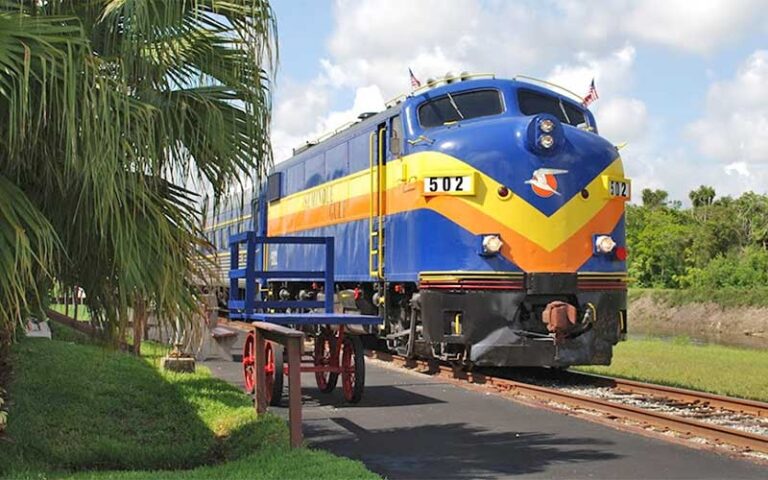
80, 411
711, 368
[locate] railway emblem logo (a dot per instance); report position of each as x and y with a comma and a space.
544, 183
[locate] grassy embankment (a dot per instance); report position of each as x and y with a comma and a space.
711, 368
79, 411
724, 297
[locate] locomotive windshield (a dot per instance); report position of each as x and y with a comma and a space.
460, 106
532, 103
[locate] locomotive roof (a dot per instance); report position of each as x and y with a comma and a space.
368, 123
342, 136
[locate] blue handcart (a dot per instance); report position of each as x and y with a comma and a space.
337, 352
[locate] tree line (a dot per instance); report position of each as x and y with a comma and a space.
717, 242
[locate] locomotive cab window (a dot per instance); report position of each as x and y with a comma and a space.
454, 107
532, 103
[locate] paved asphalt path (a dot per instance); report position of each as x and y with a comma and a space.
412, 426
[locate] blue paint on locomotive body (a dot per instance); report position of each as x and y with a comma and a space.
419, 240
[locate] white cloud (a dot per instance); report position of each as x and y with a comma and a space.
737, 168
623, 119
374, 42
612, 72
299, 108
677, 172
367, 99
734, 127
697, 26
295, 123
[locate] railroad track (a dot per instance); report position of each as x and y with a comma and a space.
689, 397
743, 440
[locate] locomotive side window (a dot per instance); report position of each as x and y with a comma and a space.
396, 136
274, 190
532, 103
460, 106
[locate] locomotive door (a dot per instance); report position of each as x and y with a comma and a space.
377, 202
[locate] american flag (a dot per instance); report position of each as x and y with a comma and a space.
591, 95
415, 83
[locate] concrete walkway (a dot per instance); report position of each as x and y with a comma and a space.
411, 427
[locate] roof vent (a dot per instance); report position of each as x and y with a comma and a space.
304, 148
365, 115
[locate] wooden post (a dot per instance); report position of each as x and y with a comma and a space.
74, 301
261, 391
294, 390
293, 341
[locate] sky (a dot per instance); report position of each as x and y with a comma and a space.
683, 82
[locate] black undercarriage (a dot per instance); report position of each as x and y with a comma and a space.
487, 325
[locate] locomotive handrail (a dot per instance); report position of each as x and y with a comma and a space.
371, 209
428, 86
530, 79
376, 201
250, 274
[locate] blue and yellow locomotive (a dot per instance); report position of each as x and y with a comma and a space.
482, 218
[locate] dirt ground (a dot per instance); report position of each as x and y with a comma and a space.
707, 322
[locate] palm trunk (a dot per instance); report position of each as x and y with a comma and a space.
139, 319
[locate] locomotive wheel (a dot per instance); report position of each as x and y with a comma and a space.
352, 368
273, 373
325, 346
249, 360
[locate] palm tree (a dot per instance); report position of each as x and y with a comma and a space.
112, 113
703, 196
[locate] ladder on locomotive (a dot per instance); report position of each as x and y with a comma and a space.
377, 204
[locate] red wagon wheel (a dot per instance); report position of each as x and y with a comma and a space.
273, 373
249, 360
326, 355
273, 369
352, 368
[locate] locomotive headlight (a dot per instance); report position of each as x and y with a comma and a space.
545, 135
604, 244
491, 244
546, 141
546, 125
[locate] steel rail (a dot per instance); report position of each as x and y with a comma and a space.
686, 426
739, 405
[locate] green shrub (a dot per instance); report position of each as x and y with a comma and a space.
744, 269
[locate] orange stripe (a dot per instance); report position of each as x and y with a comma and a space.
529, 256
349, 210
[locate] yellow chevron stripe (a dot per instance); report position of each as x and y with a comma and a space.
515, 213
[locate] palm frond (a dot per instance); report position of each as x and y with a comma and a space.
106, 107
27, 246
